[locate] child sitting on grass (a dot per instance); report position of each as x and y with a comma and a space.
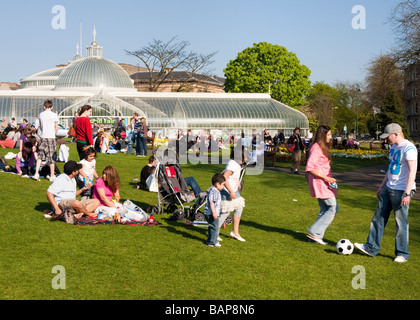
25, 161
213, 208
87, 173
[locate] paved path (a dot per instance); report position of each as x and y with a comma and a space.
368, 177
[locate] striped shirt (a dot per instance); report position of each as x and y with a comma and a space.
215, 197
137, 126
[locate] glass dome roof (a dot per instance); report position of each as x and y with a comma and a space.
94, 72
47, 78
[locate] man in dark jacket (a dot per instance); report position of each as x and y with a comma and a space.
297, 152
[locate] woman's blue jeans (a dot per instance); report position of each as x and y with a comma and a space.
389, 199
328, 210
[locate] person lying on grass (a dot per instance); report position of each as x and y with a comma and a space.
62, 193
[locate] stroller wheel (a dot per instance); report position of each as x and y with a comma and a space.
229, 220
154, 209
179, 215
199, 216
170, 208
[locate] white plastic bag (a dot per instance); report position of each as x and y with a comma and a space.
63, 154
119, 206
105, 212
152, 181
135, 215
130, 205
133, 212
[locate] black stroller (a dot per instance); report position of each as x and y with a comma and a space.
173, 190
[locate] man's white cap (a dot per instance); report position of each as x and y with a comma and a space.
390, 129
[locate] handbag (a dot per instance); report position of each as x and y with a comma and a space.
290, 147
72, 132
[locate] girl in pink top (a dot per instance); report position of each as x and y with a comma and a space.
107, 187
319, 181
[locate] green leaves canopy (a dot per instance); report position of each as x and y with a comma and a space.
266, 67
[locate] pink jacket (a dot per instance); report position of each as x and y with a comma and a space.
317, 161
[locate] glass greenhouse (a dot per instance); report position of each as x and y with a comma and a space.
201, 111
106, 86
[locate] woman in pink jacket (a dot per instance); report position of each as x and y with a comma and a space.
321, 183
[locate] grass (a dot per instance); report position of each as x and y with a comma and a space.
171, 261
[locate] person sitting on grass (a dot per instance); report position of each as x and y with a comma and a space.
4, 165
105, 141
24, 137
7, 142
147, 170
88, 172
25, 161
98, 141
119, 144
107, 186
62, 193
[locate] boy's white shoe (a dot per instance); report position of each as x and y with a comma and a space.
215, 245
219, 239
35, 177
52, 178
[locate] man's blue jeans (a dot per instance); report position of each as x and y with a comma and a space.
141, 148
389, 199
190, 181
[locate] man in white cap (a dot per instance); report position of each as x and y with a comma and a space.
395, 192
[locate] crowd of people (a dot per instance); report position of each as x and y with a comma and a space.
36, 147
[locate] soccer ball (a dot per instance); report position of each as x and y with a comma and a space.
344, 247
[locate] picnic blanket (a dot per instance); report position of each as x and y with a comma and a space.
94, 222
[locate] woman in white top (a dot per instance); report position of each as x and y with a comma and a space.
105, 141
231, 197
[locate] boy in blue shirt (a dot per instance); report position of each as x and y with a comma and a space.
212, 210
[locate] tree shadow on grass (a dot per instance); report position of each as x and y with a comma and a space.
357, 252
295, 234
174, 227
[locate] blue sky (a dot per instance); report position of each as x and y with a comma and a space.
319, 32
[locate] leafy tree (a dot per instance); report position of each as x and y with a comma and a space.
392, 111
322, 103
269, 68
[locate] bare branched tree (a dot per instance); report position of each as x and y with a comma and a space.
406, 22
198, 63
163, 58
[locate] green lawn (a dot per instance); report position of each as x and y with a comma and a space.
171, 261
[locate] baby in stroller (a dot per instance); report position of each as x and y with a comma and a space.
173, 190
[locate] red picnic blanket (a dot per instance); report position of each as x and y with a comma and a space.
94, 222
